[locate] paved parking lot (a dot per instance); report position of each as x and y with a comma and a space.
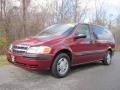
94, 76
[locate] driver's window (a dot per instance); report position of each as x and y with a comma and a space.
83, 29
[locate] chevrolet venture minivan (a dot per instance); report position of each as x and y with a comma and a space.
61, 46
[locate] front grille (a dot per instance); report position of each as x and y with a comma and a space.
20, 49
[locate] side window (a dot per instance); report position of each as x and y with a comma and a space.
102, 34
83, 29
109, 36
99, 33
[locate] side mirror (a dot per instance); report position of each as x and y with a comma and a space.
80, 36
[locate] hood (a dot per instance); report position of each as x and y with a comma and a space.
36, 40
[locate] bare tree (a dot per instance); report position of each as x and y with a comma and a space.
24, 4
79, 12
0, 9
100, 13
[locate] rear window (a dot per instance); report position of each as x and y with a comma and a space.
103, 34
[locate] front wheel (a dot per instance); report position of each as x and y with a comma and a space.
61, 65
108, 58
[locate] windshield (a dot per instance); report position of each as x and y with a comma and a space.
57, 29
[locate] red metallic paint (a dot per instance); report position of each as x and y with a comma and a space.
57, 43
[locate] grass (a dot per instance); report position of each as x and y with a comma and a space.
3, 60
118, 52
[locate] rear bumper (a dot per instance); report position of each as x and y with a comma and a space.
31, 61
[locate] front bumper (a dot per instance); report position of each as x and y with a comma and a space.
31, 61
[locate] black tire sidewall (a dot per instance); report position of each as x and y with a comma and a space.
105, 59
54, 66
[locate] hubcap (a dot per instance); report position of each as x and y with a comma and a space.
109, 58
62, 66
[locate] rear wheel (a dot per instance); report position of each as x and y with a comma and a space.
61, 65
108, 58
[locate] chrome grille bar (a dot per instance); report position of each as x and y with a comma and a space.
20, 49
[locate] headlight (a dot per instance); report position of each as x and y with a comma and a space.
10, 47
39, 50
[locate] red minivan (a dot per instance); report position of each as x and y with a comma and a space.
61, 46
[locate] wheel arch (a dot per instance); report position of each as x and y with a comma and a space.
110, 49
67, 51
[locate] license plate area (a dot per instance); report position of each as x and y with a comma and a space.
13, 58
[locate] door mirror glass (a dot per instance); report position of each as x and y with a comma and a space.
80, 36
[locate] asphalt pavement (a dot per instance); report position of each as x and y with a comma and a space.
93, 76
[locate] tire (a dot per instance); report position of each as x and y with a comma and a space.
108, 58
61, 65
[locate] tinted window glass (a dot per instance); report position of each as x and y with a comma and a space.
109, 36
83, 29
102, 34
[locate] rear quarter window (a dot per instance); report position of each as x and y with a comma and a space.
103, 34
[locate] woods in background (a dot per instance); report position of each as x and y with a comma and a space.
27, 19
